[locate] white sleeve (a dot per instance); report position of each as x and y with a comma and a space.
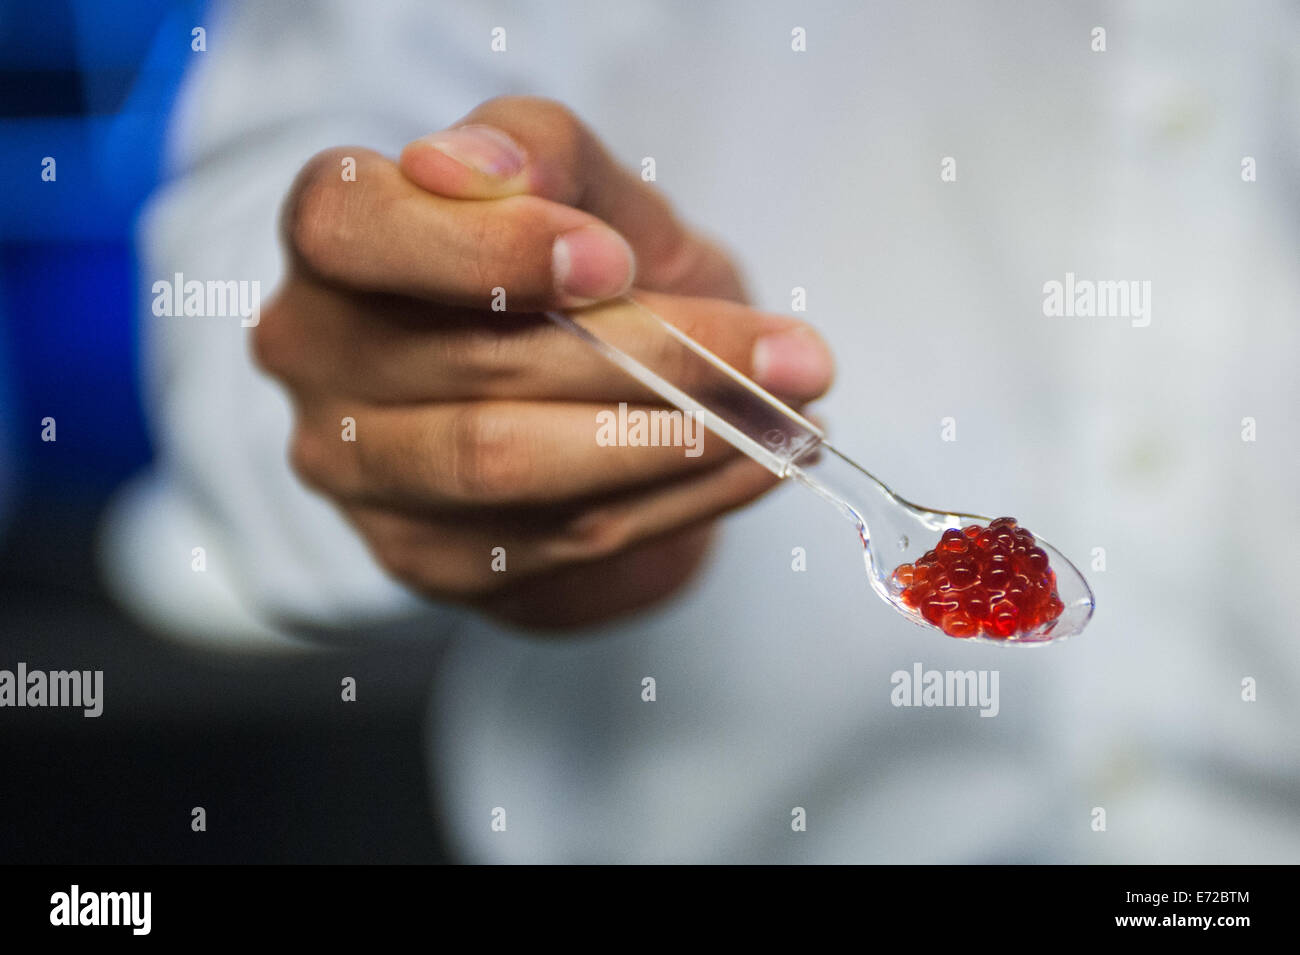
278, 82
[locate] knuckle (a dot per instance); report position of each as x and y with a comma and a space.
491, 454
391, 543
319, 217
310, 459
595, 535
400, 560
269, 342
276, 340
313, 202
494, 358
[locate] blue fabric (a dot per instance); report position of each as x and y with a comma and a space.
91, 85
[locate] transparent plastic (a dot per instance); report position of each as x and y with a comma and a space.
892, 530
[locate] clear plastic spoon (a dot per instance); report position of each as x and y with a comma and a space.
892, 530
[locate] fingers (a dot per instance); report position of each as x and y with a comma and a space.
514, 146
382, 233
464, 455
321, 343
447, 556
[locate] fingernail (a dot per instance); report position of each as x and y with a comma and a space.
592, 263
484, 148
795, 362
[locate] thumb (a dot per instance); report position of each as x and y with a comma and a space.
527, 146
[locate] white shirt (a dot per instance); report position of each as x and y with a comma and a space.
821, 170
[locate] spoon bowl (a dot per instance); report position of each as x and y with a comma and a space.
895, 531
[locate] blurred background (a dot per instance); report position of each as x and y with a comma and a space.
91, 84
822, 171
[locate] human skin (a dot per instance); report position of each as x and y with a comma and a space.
476, 429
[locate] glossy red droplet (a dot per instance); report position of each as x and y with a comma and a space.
992, 580
963, 573
1002, 619
977, 602
959, 624
953, 542
934, 607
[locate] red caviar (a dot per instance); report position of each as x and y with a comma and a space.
992, 580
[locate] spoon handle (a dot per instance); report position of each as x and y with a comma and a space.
688, 376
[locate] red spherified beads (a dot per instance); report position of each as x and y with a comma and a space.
992, 580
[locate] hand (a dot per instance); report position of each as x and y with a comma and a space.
476, 429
